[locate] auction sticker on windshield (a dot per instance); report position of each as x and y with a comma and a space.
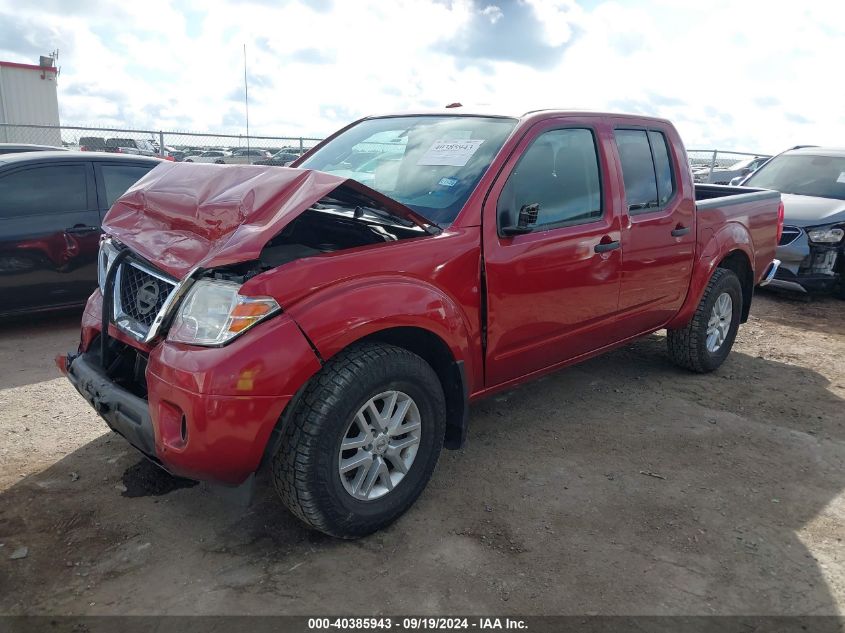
452, 153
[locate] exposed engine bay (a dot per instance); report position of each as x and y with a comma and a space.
336, 223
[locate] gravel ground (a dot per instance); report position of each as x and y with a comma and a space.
620, 486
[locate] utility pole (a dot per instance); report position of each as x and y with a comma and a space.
246, 104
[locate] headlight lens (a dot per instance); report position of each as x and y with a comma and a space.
826, 235
108, 251
213, 313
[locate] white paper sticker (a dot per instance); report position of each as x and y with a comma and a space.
841, 177
452, 153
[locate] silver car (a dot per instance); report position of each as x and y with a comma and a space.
724, 175
812, 247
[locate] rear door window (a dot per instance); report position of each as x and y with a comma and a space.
43, 190
118, 178
637, 171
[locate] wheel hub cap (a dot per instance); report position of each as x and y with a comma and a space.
719, 323
379, 445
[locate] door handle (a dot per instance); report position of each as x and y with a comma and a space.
604, 247
81, 228
679, 231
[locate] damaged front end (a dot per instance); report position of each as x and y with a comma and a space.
184, 239
812, 259
179, 248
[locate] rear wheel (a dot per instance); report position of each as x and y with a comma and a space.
705, 343
362, 440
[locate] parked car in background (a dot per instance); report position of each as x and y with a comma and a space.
724, 175
337, 332
51, 206
92, 144
18, 148
209, 156
282, 158
131, 146
812, 247
244, 156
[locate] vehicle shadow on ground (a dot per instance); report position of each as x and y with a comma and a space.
620, 486
34, 341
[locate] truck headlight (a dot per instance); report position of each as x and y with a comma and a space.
825, 235
108, 251
213, 313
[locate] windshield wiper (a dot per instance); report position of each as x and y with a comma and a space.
432, 228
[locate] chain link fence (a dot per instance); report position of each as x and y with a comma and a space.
720, 167
172, 144
710, 165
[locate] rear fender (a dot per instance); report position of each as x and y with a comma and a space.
733, 236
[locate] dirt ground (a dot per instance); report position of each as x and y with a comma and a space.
620, 486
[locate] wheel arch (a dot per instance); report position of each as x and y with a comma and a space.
450, 371
739, 263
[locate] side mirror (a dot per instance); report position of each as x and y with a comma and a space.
525, 221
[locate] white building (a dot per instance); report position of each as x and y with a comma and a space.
28, 96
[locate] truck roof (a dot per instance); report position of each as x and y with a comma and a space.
490, 111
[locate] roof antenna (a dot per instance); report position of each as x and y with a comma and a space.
246, 104
455, 105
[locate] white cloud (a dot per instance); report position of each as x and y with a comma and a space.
755, 76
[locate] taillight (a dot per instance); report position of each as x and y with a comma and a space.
84, 148
780, 222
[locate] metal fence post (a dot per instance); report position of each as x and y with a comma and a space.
300, 146
712, 165
160, 143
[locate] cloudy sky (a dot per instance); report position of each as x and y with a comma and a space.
756, 76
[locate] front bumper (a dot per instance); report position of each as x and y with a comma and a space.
202, 413
809, 267
123, 411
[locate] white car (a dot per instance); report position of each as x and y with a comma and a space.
209, 156
723, 175
246, 156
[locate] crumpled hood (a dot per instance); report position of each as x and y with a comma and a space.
181, 216
811, 211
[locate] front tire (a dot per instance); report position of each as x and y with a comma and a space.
704, 344
361, 441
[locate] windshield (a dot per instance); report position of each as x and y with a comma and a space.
820, 176
428, 163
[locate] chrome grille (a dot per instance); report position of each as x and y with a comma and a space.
140, 294
789, 235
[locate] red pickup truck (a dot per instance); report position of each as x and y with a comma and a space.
334, 320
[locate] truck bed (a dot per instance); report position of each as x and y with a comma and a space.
708, 196
719, 207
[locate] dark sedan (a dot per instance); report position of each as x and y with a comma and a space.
812, 247
51, 206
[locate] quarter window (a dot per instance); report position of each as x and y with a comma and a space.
44, 190
560, 173
662, 167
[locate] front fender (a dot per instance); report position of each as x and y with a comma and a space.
335, 317
731, 237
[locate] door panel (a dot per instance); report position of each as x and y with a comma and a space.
49, 236
551, 296
659, 242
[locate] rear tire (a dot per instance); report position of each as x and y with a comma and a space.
307, 468
704, 344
